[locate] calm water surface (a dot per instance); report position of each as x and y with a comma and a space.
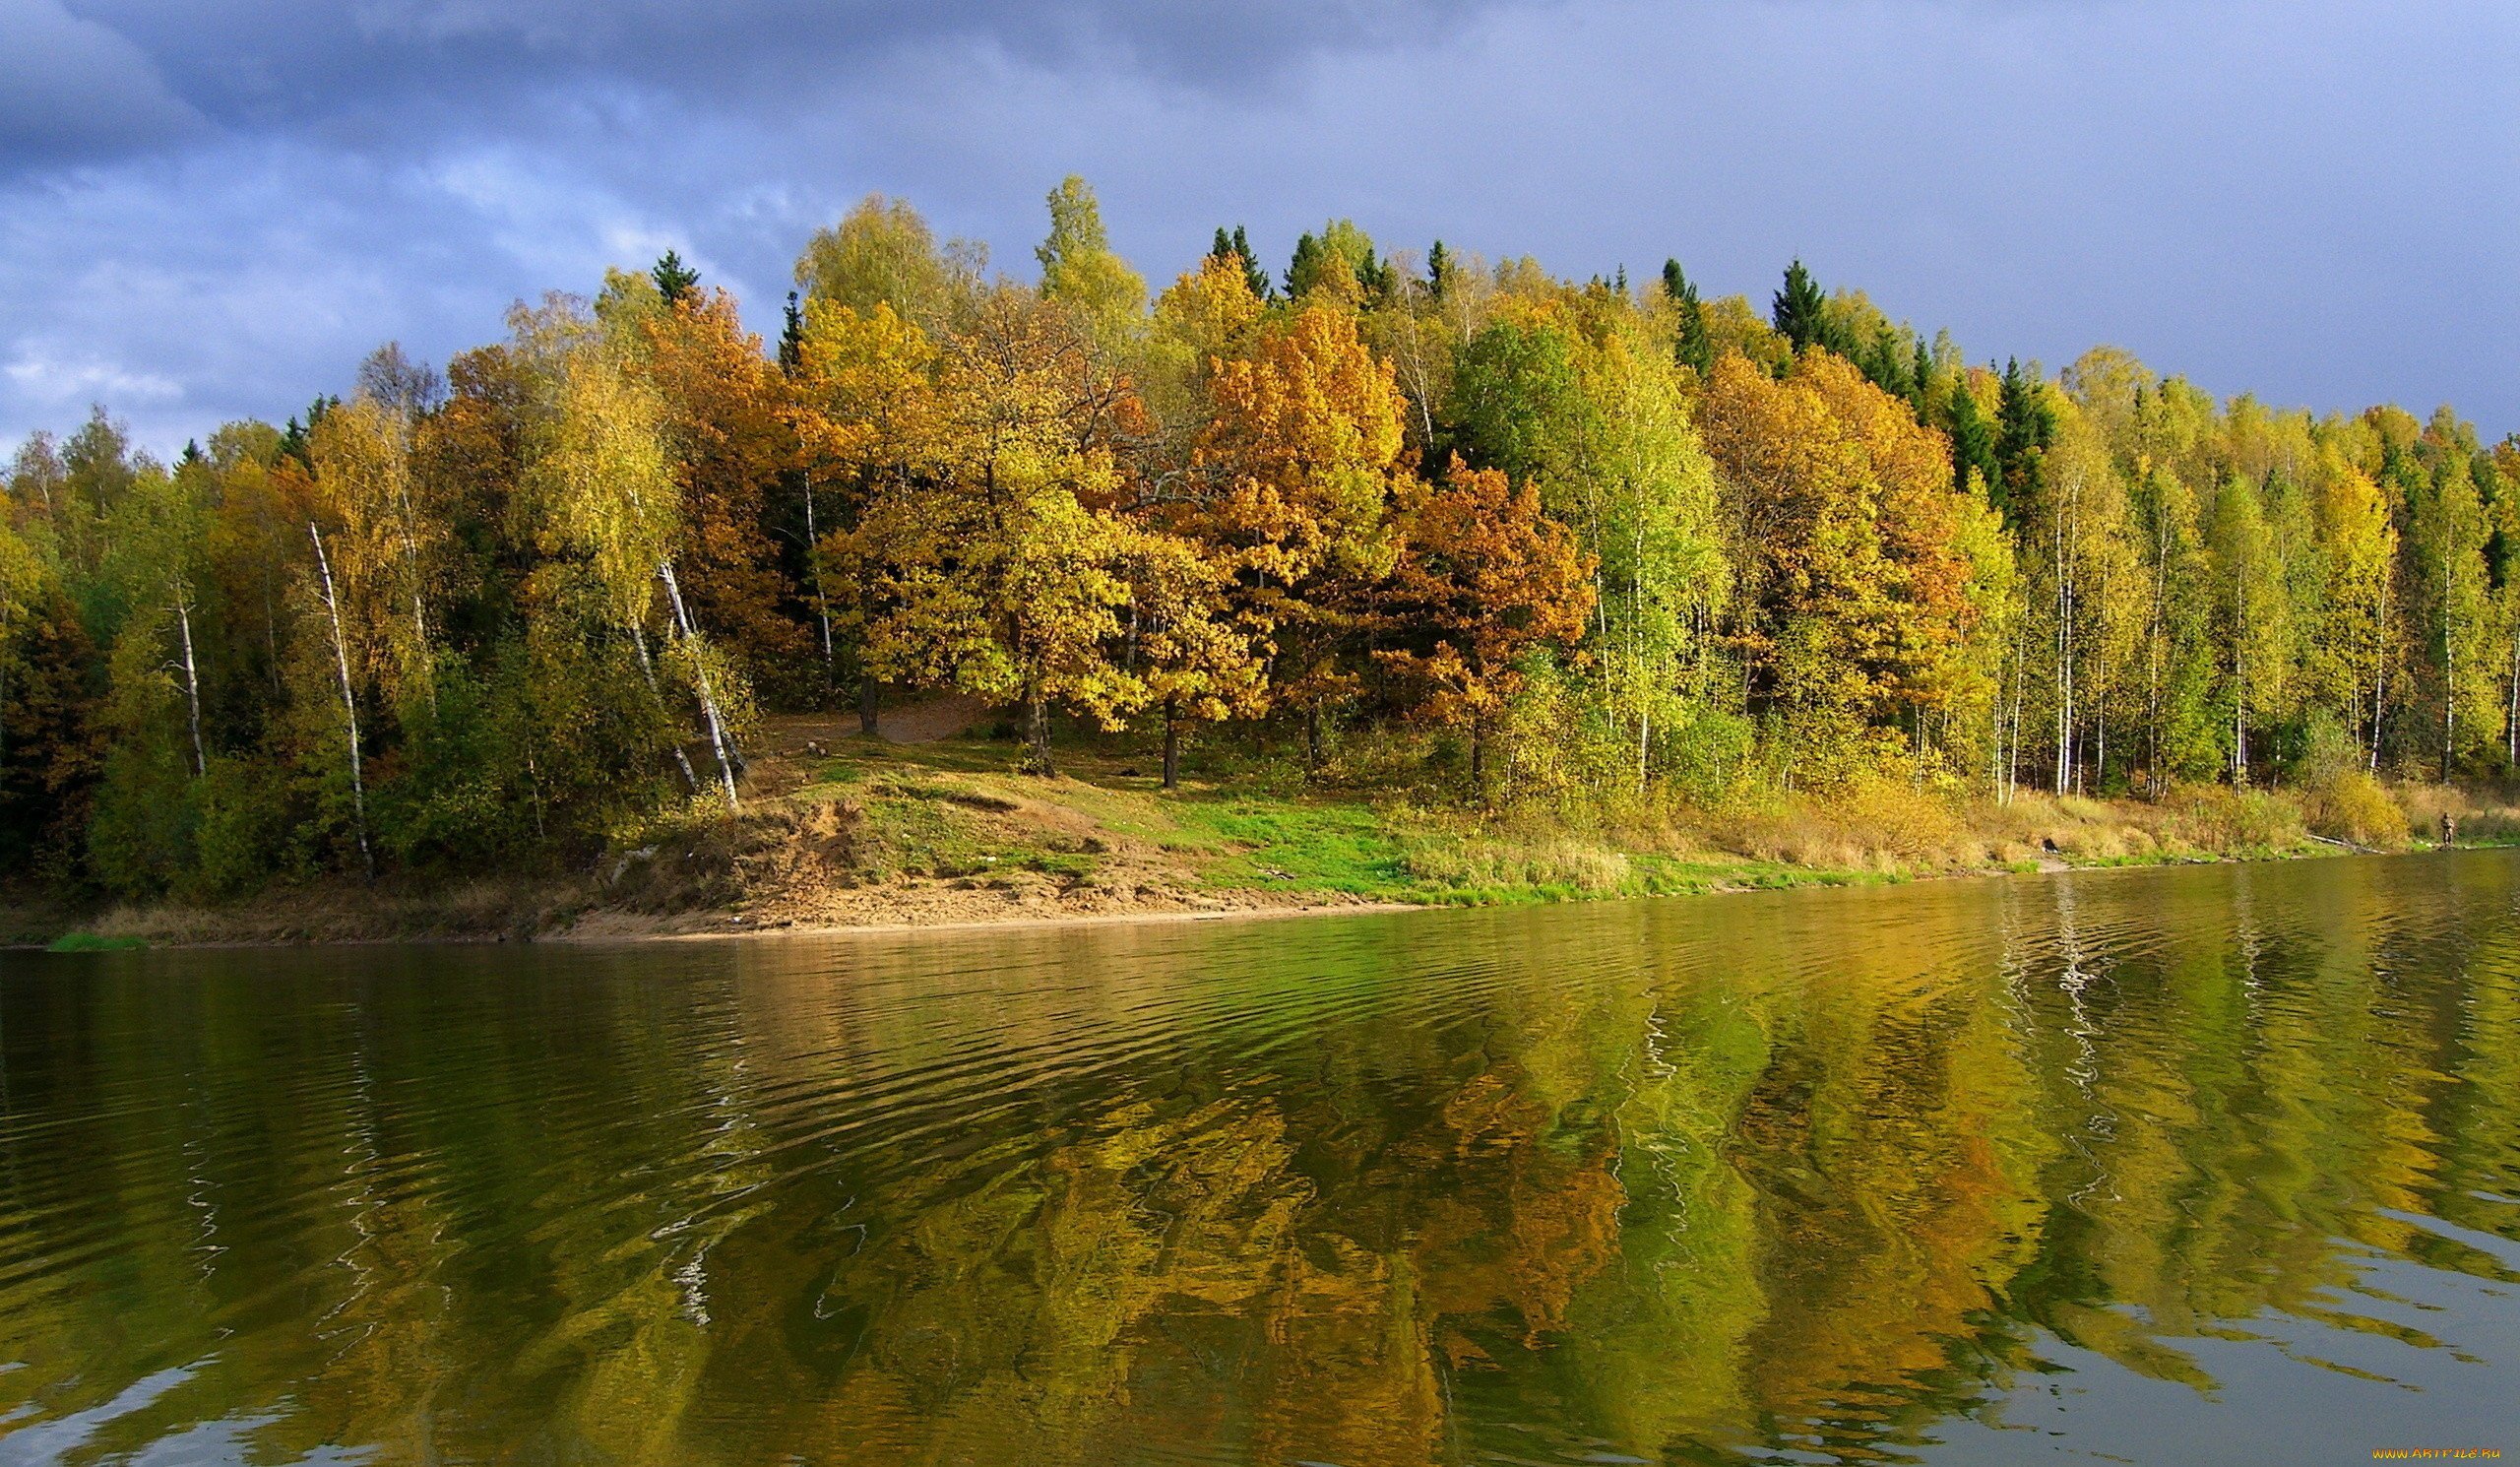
2208, 1166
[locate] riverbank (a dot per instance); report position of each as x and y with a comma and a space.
841, 833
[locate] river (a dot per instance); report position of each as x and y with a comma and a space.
2215, 1164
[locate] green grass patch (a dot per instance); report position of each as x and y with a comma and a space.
91, 942
1301, 847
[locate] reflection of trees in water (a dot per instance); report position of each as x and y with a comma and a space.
1681, 1176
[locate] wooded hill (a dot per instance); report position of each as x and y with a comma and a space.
1593, 544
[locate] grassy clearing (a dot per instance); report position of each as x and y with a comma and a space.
958, 810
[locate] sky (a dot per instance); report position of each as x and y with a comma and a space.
214, 209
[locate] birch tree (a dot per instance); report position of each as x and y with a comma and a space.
606, 484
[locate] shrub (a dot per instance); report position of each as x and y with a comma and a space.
2217, 818
244, 827
2350, 805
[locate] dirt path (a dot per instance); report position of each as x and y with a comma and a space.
931, 720
923, 722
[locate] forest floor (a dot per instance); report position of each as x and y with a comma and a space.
931, 825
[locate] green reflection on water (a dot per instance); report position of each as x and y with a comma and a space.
2157, 1164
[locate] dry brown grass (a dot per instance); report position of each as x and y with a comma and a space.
1877, 826
1553, 863
2485, 815
1895, 827
349, 912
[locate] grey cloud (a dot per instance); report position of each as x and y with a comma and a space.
72, 90
2305, 198
382, 70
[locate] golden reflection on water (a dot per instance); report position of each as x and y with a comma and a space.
1853, 1174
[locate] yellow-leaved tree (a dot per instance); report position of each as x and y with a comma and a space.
992, 563
606, 492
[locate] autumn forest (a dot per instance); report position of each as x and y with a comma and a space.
1539, 543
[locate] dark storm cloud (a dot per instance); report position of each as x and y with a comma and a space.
380, 70
72, 90
213, 210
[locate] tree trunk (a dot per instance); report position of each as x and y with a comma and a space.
648, 671
2511, 711
814, 562
719, 741
349, 702
870, 697
2100, 739
1172, 747
1312, 738
1036, 735
420, 646
1644, 746
411, 568
2449, 709
271, 637
2380, 672
192, 684
2064, 678
2240, 736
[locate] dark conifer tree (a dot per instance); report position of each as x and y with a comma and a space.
674, 279
1690, 346
1253, 274
1972, 444
1882, 361
792, 336
1306, 267
2025, 425
1801, 311
293, 439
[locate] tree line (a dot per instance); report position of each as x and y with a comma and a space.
1599, 544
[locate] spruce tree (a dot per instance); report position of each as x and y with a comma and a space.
1304, 268
1253, 274
1801, 311
1439, 270
674, 279
1690, 347
2024, 426
1972, 444
792, 336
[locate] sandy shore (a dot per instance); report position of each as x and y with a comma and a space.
610, 927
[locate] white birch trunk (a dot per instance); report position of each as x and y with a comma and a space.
718, 740
822, 594
349, 700
192, 681
2379, 670
2511, 708
648, 671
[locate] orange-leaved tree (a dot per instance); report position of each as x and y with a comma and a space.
732, 445
1293, 477
1484, 579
